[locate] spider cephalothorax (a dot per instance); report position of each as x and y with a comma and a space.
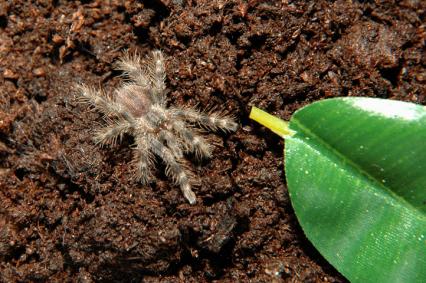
139, 108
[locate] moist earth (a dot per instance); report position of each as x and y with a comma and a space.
72, 212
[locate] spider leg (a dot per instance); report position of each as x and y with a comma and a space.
131, 65
150, 76
173, 142
112, 132
157, 77
192, 141
174, 169
143, 159
101, 102
158, 118
213, 121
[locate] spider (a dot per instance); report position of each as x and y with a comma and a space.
139, 108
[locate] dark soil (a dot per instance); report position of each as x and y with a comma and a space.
71, 212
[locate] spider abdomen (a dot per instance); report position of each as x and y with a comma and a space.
135, 99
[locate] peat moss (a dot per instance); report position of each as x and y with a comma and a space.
69, 210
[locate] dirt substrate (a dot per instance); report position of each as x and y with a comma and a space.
71, 211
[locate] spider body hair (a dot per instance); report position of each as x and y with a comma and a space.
138, 107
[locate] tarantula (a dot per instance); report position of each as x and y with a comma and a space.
139, 108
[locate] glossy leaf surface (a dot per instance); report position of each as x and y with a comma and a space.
356, 172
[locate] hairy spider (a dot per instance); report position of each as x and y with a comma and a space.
139, 107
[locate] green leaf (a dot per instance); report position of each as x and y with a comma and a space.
356, 172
